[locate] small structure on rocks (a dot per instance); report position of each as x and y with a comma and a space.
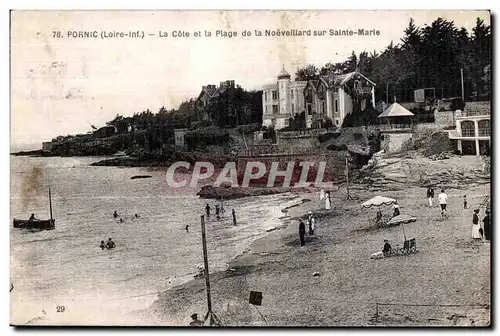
396, 127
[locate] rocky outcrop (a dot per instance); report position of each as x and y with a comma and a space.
413, 169
224, 192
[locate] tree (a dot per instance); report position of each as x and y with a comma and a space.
308, 73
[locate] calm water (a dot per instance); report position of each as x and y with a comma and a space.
66, 267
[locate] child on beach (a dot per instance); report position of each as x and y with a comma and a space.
465, 201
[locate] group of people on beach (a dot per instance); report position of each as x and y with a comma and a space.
219, 210
478, 232
110, 244
116, 216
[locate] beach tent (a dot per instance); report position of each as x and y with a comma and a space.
378, 201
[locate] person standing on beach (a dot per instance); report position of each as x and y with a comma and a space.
187, 228
207, 209
475, 225
465, 201
311, 223
217, 211
302, 232
115, 214
487, 226
234, 217
430, 195
328, 201
443, 200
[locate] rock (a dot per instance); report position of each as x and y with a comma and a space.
316, 274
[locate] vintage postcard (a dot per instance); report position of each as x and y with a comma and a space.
250, 168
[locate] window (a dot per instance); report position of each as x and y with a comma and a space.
468, 128
275, 109
291, 94
265, 96
484, 128
336, 105
336, 122
293, 109
275, 95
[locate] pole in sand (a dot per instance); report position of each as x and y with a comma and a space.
214, 320
347, 176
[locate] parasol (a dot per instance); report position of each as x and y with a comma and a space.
401, 219
378, 201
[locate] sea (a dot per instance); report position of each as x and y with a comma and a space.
62, 277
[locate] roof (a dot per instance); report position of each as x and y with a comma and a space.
333, 80
395, 110
283, 74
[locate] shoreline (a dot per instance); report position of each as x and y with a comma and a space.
233, 265
275, 265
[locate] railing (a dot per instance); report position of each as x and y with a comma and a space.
397, 127
311, 131
476, 112
468, 133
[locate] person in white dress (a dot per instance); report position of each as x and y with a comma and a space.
476, 227
321, 195
328, 201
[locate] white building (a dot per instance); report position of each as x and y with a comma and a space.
472, 133
329, 97
282, 100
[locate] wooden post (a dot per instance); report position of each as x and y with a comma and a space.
205, 260
462, 79
347, 175
50, 205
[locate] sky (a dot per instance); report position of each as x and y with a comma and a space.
62, 85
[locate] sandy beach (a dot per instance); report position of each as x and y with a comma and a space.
449, 276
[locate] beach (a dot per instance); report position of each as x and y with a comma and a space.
446, 283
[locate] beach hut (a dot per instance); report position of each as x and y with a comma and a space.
396, 116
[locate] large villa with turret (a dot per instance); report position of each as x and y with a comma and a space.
326, 98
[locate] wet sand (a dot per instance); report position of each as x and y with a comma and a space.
449, 269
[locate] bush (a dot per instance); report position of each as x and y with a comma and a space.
200, 124
457, 104
206, 136
249, 128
